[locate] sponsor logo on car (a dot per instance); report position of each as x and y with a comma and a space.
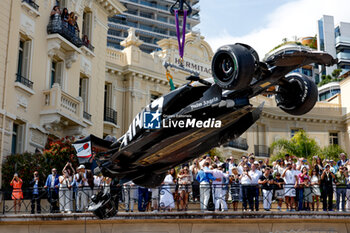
152, 120
83, 149
191, 123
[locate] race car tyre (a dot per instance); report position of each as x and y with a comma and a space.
102, 205
233, 66
150, 181
298, 95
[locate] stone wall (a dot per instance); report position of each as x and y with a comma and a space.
176, 223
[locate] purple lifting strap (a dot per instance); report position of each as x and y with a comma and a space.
181, 43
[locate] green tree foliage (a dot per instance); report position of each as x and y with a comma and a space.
313, 44
300, 145
215, 152
23, 164
336, 73
56, 154
285, 43
331, 152
327, 78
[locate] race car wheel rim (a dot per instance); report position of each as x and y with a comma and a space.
225, 67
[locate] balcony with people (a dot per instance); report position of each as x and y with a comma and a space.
87, 43
65, 25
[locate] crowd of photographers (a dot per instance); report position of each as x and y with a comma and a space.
291, 183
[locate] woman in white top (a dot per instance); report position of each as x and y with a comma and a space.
246, 188
315, 188
55, 11
65, 193
280, 166
166, 201
184, 187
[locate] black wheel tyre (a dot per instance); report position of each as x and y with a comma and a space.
298, 96
233, 66
150, 180
103, 206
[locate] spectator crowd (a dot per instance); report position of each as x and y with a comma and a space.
66, 23
292, 183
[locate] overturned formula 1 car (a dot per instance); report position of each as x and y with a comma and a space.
203, 114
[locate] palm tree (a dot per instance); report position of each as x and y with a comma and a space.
331, 152
300, 145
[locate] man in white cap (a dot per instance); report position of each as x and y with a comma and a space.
255, 175
84, 181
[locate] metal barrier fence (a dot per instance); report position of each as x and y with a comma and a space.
195, 197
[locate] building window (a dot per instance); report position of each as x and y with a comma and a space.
320, 34
24, 59
155, 96
333, 139
317, 78
328, 94
260, 134
307, 72
17, 138
87, 26
84, 93
110, 115
146, 15
172, 33
162, 18
337, 32
56, 73
146, 39
62, 3
108, 95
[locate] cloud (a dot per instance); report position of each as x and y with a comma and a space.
297, 18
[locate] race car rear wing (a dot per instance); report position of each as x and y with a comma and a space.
89, 145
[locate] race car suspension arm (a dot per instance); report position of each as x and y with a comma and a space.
167, 65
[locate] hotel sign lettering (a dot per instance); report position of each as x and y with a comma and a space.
201, 68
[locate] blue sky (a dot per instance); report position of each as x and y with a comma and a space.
239, 17
264, 23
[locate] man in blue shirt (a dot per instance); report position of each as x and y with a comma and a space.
51, 185
204, 176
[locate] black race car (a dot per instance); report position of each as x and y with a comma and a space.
202, 114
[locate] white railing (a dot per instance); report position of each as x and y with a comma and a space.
57, 99
69, 103
115, 56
